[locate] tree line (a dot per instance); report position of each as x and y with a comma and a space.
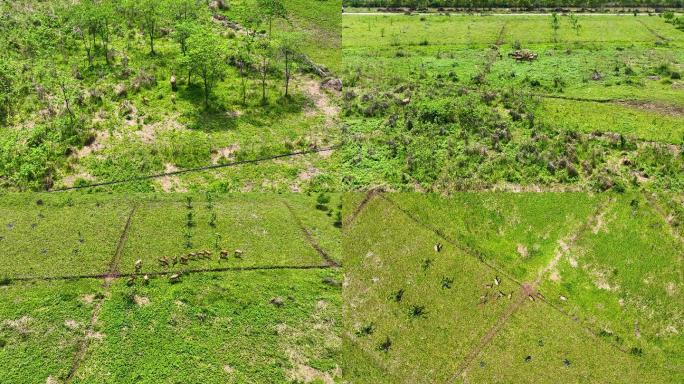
518, 4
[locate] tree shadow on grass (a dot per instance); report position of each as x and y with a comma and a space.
223, 115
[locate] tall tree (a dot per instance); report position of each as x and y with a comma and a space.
105, 15
272, 10
206, 56
555, 25
243, 62
264, 50
287, 49
85, 24
184, 29
574, 22
151, 13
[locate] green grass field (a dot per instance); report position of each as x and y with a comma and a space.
81, 313
593, 294
41, 327
435, 103
218, 328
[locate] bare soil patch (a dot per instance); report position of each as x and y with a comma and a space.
171, 183
225, 152
660, 108
321, 100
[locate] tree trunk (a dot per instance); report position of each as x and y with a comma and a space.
263, 81
152, 39
287, 74
263, 88
244, 86
66, 101
206, 91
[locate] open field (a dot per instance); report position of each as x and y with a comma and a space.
524, 288
269, 311
435, 102
87, 94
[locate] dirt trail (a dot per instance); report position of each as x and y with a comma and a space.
369, 196
171, 183
113, 273
489, 336
530, 290
653, 31
309, 237
321, 99
593, 224
97, 144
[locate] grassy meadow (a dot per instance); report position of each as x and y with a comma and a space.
531, 287
81, 312
435, 102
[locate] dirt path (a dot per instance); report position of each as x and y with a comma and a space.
369, 196
593, 224
171, 183
653, 31
199, 169
113, 273
310, 238
530, 289
489, 336
321, 99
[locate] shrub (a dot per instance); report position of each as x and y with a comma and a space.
385, 345
417, 311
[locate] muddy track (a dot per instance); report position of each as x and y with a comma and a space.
369, 196
310, 238
108, 278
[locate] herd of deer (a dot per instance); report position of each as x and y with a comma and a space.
167, 262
